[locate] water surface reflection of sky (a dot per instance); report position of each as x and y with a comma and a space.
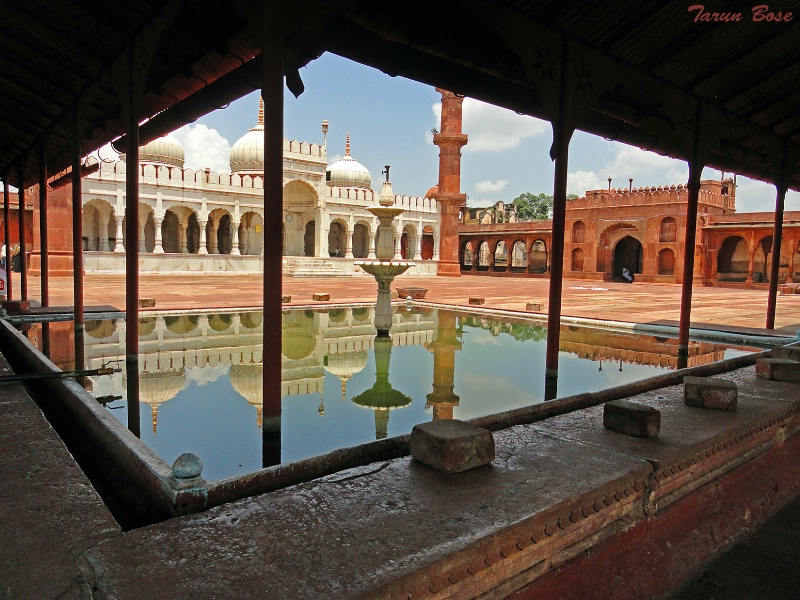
200, 377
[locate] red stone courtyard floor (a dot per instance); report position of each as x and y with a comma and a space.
640, 302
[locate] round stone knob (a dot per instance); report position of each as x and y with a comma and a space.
187, 466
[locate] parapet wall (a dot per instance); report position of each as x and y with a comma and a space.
370, 198
650, 195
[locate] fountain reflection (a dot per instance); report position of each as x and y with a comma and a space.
382, 397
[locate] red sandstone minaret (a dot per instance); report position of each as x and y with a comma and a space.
448, 193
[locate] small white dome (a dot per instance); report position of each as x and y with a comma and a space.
348, 172
165, 150
247, 154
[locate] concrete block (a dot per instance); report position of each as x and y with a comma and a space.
631, 418
474, 300
451, 446
790, 352
147, 302
17, 306
321, 297
708, 392
286, 299
779, 369
535, 306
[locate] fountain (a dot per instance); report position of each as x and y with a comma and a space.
384, 270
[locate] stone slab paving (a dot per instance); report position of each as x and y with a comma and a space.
355, 532
384, 529
49, 512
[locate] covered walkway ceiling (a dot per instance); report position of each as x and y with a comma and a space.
638, 72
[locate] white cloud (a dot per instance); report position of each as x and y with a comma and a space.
646, 168
491, 128
204, 148
481, 202
491, 187
580, 181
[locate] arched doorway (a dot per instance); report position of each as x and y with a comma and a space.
336, 239
360, 241
627, 253
733, 259
309, 238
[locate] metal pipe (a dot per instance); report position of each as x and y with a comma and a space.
132, 245
57, 374
43, 246
77, 240
23, 246
272, 51
7, 233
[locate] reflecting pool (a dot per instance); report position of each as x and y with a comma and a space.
200, 377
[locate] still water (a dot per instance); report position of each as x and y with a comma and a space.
200, 377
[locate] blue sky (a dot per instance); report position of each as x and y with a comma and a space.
390, 120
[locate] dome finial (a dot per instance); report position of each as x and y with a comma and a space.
260, 110
347, 145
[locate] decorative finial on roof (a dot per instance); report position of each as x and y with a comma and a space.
347, 145
260, 111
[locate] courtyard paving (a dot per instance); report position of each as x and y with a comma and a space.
712, 307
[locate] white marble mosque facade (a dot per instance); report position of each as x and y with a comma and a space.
209, 222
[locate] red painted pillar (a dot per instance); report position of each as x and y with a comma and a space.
23, 246
132, 245
43, 246
7, 233
272, 49
695, 169
560, 154
777, 235
450, 140
77, 241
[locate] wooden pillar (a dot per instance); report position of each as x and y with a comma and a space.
696, 165
43, 246
132, 110
23, 246
272, 49
7, 233
777, 234
77, 240
560, 154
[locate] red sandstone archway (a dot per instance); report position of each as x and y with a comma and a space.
627, 253
733, 259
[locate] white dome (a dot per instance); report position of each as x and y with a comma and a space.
165, 150
247, 154
348, 172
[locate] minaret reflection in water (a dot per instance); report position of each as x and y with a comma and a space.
444, 348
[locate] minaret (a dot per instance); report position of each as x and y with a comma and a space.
450, 141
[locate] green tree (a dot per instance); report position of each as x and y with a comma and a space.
533, 207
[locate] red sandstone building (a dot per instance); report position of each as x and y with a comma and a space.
643, 229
